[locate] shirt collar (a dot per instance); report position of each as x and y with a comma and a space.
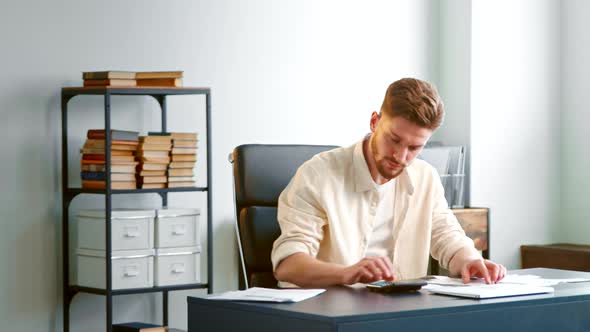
362, 177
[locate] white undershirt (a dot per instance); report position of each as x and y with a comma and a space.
381, 238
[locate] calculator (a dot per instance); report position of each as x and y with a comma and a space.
400, 286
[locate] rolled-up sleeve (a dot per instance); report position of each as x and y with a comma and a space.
300, 216
447, 236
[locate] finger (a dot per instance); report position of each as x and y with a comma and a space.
484, 271
371, 266
389, 265
502, 272
494, 270
465, 274
381, 265
366, 275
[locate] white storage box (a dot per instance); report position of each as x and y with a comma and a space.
177, 228
129, 269
177, 266
130, 229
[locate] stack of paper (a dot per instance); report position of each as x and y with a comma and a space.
479, 291
511, 285
529, 279
268, 295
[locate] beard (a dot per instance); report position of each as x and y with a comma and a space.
384, 164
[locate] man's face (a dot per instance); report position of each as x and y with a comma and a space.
395, 143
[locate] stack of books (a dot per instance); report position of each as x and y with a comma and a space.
153, 156
132, 79
123, 164
184, 157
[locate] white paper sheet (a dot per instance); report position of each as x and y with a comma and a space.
259, 294
479, 291
528, 279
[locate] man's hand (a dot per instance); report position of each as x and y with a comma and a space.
483, 268
367, 270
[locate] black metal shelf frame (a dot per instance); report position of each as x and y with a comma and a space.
68, 194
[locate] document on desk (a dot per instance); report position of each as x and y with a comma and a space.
483, 291
258, 294
511, 285
524, 279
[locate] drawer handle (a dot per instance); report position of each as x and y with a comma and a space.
179, 268
131, 272
131, 232
179, 230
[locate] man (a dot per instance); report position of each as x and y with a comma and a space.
372, 211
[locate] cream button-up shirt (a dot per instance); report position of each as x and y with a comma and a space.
328, 210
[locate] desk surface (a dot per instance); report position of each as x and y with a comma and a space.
342, 305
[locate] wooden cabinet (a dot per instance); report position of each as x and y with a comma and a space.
565, 256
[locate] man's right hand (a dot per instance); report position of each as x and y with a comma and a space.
367, 270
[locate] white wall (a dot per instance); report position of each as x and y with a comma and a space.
280, 72
575, 120
454, 83
515, 122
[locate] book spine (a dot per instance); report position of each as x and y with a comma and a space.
93, 176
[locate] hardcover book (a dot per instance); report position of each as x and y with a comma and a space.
156, 139
184, 136
181, 172
182, 164
154, 179
167, 82
113, 74
158, 74
184, 157
180, 178
176, 150
114, 168
101, 176
154, 147
125, 135
94, 184
182, 184
149, 166
184, 143
110, 82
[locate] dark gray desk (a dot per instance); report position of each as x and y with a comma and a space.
346, 309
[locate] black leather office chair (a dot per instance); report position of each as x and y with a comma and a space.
261, 172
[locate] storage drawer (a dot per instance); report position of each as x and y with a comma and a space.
177, 228
177, 266
130, 229
130, 268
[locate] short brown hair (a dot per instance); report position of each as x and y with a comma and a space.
414, 100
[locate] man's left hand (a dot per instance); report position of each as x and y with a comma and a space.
483, 268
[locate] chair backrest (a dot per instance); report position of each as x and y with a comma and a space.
261, 172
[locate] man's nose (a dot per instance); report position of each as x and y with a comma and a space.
400, 154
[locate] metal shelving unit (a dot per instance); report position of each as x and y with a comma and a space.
68, 194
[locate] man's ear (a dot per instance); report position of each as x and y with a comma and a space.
375, 117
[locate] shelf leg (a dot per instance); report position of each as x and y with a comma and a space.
209, 196
65, 223
108, 206
165, 308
